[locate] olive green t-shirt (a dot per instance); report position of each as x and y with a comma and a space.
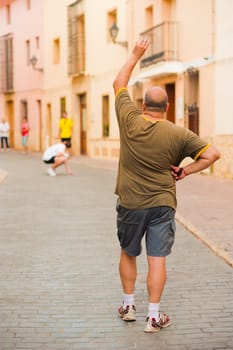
147, 151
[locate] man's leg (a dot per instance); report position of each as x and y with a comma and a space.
7, 143
156, 280
58, 161
2, 144
156, 277
128, 274
62, 160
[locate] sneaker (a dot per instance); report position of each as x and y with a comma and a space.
51, 172
153, 326
128, 314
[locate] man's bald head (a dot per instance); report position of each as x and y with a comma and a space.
156, 99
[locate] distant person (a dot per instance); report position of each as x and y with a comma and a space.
4, 134
57, 155
65, 127
25, 133
151, 150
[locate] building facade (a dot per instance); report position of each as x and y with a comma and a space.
65, 57
21, 87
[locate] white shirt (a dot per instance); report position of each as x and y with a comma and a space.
4, 129
53, 151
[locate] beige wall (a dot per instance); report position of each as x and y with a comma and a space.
103, 59
195, 19
207, 100
57, 84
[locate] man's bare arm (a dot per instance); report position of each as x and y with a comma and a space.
208, 157
124, 74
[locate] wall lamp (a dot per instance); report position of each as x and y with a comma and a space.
33, 62
114, 30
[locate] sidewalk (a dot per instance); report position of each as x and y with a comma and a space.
205, 207
59, 283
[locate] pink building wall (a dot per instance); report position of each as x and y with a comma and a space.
28, 83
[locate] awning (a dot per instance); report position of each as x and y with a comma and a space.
158, 70
167, 68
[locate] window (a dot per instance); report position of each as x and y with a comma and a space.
56, 51
24, 109
105, 115
6, 63
76, 39
28, 53
62, 105
28, 4
167, 10
8, 14
149, 17
37, 42
111, 19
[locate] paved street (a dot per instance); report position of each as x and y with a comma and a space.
59, 284
205, 208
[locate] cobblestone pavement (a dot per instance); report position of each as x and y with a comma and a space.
59, 284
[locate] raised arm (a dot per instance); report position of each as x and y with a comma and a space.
124, 74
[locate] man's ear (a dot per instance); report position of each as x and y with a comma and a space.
167, 107
143, 106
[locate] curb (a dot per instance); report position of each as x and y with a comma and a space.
201, 236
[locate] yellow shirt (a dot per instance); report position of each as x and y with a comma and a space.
66, 126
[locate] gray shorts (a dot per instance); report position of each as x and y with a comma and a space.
157, 224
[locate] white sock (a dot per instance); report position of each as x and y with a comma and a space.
153, 311
128, 299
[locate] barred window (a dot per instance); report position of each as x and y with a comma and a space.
6, 63
76, 38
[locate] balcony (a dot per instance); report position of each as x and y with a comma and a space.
164, 44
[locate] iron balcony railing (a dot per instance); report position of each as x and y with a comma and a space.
163, 43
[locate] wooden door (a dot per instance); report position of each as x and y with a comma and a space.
40, 125
170, 88
11, 120
48, 126
83, 124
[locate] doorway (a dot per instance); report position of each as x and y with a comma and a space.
11, 120
49, 125
83, 124
40, 125
170, 88
192, 99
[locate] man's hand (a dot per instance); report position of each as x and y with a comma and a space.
177, 172
140, 48
122, 78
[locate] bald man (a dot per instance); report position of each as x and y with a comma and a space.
151, 150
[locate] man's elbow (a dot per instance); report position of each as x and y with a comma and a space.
215, 155
116, 85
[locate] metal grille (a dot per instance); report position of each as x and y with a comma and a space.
164, 43
76, 39
6, 63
